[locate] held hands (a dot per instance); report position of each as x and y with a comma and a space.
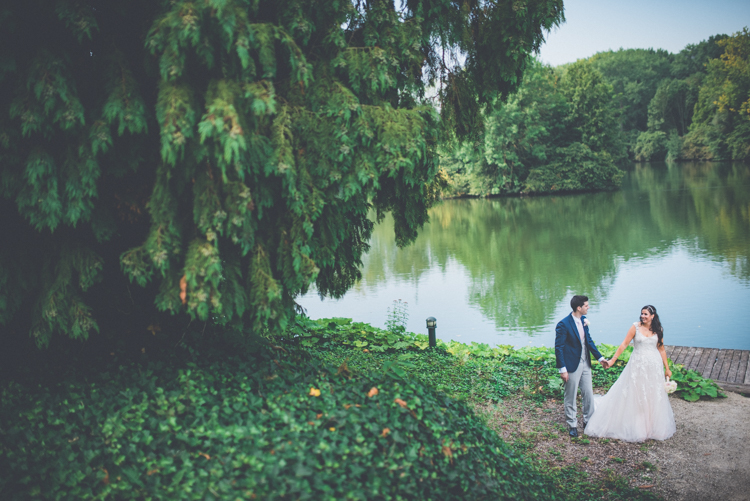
606, 364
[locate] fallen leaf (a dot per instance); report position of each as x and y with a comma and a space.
385, 432
183, 289
346, 406
401, 403
151, 472
645, 486
447, 452
344, 370
332, 428
311, 423
314, 392
373, 391
319, 415
105, 480
366, 350
204, 455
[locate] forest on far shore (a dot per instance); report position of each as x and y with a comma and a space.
570, 128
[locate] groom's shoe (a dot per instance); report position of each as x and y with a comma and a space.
585, 424
573, 433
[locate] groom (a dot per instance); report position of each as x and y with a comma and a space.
572, 346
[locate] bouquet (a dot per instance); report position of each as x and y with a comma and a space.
670, 386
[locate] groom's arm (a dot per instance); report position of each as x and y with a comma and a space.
593, 348
560, 332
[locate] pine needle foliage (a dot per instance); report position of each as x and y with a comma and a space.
224, 154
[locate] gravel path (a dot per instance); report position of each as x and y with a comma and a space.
709, 456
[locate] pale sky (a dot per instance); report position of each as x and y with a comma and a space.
593, 26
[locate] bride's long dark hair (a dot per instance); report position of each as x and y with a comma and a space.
656, 327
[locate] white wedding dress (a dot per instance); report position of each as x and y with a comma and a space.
637, 407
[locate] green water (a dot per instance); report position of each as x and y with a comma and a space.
502, 271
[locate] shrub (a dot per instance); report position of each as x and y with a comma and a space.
575, 168
703, 142
674, 146
651, 147
272, 427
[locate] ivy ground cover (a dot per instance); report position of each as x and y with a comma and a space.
276, 423
474, 371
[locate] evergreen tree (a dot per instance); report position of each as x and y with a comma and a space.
223, 155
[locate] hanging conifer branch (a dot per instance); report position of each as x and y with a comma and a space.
216, 159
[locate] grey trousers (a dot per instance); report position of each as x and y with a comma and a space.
581, 378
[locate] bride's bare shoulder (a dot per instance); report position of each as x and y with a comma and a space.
631, 332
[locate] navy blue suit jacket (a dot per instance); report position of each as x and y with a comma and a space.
568, 344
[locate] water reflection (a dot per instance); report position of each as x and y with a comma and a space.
503, 270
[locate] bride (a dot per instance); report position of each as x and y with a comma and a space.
637, 407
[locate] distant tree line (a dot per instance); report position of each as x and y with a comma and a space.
569, 128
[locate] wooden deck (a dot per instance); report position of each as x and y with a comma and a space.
729, 368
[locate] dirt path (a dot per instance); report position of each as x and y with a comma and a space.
709, 456
707, 459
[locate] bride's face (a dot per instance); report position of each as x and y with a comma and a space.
646, 317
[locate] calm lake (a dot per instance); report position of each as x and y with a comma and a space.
503, 270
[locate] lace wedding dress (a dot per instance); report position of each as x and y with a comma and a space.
637, 407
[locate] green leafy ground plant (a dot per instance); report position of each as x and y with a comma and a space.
276, 424
528, 369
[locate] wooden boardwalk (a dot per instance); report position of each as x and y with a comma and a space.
729, 368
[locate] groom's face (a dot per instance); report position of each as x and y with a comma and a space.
584, 309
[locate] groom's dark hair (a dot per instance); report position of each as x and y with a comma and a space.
578, 301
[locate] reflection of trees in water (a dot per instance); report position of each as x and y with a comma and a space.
526, 255
705, 203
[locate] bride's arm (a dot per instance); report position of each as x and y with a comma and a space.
663, 354
628, 338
